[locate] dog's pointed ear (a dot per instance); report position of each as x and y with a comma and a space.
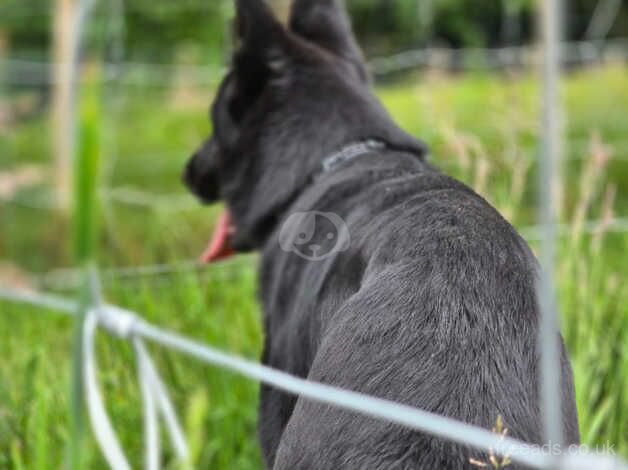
261, 56
262, 53
259, 32
326, 23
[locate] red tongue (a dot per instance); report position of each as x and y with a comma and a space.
219, 247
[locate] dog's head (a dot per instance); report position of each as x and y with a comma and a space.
293, 95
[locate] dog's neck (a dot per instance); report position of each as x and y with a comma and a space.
258, 211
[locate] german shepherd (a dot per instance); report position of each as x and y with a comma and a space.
379, 273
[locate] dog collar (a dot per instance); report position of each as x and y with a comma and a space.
350, 152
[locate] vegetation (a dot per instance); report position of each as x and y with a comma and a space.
482, 129
383, 26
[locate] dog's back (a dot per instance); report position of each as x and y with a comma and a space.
433, 305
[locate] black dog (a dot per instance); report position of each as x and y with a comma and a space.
379, 273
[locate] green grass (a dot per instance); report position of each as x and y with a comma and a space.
482, 129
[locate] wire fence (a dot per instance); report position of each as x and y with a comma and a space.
128, 325
22, 72
95, 314
69, 279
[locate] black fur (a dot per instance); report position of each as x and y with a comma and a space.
432, 301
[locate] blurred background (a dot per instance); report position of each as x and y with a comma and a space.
461, 75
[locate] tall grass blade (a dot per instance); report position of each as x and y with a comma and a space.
85, 242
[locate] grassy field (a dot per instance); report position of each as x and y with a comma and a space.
481, 129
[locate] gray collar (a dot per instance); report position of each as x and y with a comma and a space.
350, 152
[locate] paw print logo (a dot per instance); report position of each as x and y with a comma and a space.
314, 235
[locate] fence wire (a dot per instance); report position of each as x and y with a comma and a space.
22, 72
65, 279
